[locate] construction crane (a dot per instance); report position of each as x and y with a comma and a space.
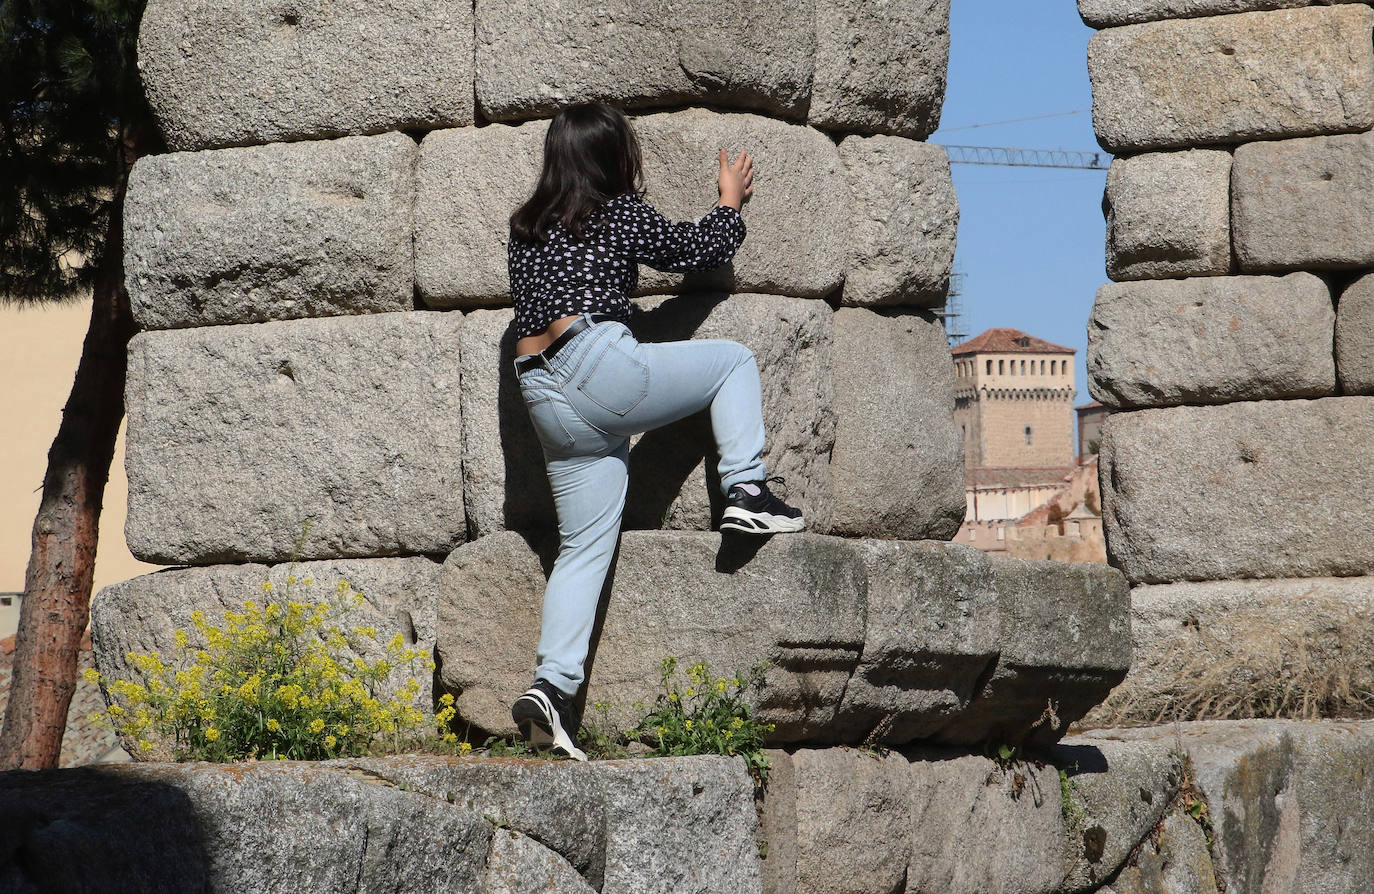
953, 310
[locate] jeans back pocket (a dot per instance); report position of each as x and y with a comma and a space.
615, 380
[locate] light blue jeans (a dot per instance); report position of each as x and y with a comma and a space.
602, 387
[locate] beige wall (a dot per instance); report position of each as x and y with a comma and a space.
39, 349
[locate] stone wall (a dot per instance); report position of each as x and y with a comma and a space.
1239, 209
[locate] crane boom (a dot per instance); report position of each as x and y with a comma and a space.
1027, 158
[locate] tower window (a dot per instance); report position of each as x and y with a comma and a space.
1023, 367
1052, 365
1028, 435
1042, 367
989, 367
1001, 367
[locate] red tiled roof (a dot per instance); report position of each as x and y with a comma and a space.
1091, 405
1008, 341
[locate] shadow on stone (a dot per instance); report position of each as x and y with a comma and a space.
94, 830
737, 550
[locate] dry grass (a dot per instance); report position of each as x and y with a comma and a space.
1303, 658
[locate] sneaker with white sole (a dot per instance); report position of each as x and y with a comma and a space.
751, 508
546, 719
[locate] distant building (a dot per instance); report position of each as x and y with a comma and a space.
1028, 494
1013, 401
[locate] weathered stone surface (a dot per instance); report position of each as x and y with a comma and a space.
518, 864
966, 815
901, 237
1107, 13
637, 53
470, 179
143, 614
1304, 203
849, 809
1169, 214
902, 476
797, 221
239, 435
684, 824
317, 70
1118, 791
1228, 79
1220, 645
1256, 489
1065, 641
247, 827
505, 483
1291, 803
880, 67
725, 605
271, 232
933, 631
1211, 340
1178, 864
928, 618
1355, 337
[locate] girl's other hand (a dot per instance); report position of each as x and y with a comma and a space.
736, 180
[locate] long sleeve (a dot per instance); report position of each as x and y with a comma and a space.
679, 247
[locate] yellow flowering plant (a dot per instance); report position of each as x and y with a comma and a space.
280, 679
707, 716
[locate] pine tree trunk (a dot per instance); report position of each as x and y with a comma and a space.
57, 585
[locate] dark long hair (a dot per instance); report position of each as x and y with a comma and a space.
590, 157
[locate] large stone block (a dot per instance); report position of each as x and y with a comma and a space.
1178, 863
682, 824
672, 470
637, 53
1355, 337
143, 614
849, 834
1065, 641
1291, 802
898, 466
1304, 203
263, 827
259, 71
271, 232
798, 219
1236, 647
1256, 489
1228, 79
1116, 793
901, 237
966, 814
518, 864
1211, 340
471, 179
1169, 214
240, 436
808, 605
932, 633
880, 67
1108, 13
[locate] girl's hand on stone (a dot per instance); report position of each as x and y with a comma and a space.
736, 179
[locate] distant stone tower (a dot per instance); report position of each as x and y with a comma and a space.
1013, 401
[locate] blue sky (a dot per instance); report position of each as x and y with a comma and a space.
1030, 239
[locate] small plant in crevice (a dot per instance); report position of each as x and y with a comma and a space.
1191, 800
1068, 803
707, 715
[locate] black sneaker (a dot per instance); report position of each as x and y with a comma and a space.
752, 509
545, 718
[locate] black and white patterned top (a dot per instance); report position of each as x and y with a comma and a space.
564, 277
